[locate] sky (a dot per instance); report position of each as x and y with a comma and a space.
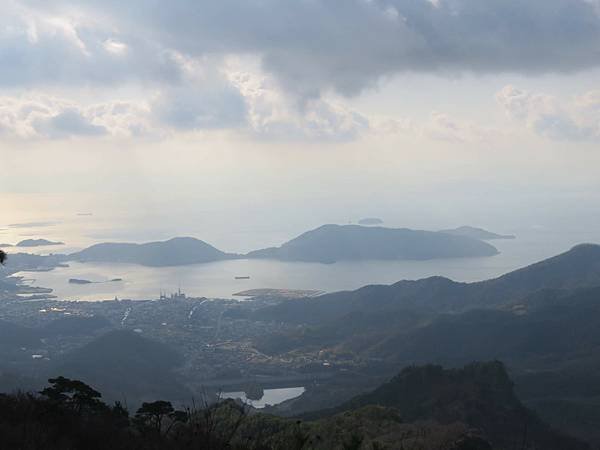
205, 117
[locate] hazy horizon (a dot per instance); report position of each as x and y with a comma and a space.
240, 118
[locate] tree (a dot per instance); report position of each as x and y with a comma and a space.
73, 393
152, 415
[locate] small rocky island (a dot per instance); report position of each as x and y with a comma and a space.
79, 281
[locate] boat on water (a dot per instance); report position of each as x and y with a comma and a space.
242, 278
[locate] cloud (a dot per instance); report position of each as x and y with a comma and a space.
438, 126
314, 46
272, 114
40, 116
545, 115
275, 68
69, 122
199, 106
41, 49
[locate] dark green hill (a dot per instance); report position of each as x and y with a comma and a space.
174, 252
479, 395
75, 326
578, 267
563, 328
125, 363
13, 335
331, 243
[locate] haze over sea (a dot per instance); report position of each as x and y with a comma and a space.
79, 229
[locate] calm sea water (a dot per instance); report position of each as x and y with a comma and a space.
217, 280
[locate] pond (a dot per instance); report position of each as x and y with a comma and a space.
270, 397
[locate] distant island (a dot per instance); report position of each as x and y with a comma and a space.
326, 244
37, 243
81, 281
477, 233
331, 243
370, 221
174, 252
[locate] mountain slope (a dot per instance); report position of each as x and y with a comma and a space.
579, 267
331, 243
174, 252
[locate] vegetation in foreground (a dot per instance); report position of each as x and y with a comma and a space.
423, 408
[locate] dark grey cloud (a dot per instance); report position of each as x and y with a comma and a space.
312, 45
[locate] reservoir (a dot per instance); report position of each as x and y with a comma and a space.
271, 396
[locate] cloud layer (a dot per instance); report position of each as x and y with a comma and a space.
296, 57
313, 45
578, 120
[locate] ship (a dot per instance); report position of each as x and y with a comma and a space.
242, 278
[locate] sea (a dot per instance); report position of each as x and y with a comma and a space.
218, 279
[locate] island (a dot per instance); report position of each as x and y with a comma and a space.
326, 244
477, 233
37, 243
331, 243
81, 281
174, 252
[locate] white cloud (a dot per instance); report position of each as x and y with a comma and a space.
115, 47
39, 116
545, 115
438, 126
274, 115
